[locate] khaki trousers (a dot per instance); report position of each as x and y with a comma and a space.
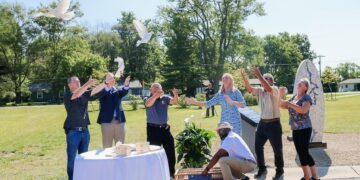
112, 132
234, 168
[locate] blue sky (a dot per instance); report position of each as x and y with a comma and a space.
333, 26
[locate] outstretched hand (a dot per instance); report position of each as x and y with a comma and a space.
282, 92
190, 100
91, 81
175, 92
127, 81
243, 73
256, 72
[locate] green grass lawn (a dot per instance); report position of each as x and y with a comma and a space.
32, 143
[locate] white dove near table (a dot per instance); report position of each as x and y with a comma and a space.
121, 67
60, 12
143, 33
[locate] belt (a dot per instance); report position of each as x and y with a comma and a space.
270, 120
77, 128
158, 125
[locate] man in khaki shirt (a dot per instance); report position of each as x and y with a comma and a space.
269, 127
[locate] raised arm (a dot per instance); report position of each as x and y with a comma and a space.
97, 89
282, 101
263, 82
175, 99
83, 88
238, 102
304, 108
248, 86
193, 101
150, 101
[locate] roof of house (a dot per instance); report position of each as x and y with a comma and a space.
135, 84
39, 87
254, 81
351, 81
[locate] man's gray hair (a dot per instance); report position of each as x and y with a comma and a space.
72, 78
158, 84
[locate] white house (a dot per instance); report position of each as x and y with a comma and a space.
349, 85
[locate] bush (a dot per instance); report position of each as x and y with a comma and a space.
250, 99
182, 103
200, 97
193, 146
134, 101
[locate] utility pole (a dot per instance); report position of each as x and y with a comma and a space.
320, 56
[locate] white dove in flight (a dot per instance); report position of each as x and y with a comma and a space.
60, 12
143, 33
121, 67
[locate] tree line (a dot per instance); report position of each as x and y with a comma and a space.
194, 40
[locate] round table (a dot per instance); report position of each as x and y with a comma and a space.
98, 164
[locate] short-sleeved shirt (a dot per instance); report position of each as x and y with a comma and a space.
229, 112
209, 92
268, 102
236, 147
300, 121
77, 110
158, 112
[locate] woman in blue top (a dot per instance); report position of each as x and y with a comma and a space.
230, 100
299, 107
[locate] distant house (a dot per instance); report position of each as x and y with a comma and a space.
349, 85
40, 92
136, 88
255, 82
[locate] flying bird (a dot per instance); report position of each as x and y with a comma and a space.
143, 33
60, 12
121, 67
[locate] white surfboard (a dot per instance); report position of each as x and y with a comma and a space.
308, 70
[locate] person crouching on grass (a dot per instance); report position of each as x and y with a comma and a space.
234, 156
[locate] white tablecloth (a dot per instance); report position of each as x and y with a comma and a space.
98, 166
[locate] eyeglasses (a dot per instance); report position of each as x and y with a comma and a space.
268, 78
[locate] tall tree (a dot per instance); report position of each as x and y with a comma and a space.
217, 24
329, 79
16, 36
108, 45
182, 69
283, 54
348, 70
143, 61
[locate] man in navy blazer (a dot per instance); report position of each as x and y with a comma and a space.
112, 116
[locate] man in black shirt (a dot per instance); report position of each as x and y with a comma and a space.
77, 119
209, 92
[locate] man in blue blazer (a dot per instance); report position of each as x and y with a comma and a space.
112, 116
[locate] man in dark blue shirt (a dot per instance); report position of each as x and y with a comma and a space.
77, 119
158, 131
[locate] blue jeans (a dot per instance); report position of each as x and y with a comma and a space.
77, 142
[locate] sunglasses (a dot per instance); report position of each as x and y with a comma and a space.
268, 78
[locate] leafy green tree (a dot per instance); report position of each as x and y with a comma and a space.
283, 54
108, 45
329, 79
16, 36
141, 62
217, 27
348, 70
182, 69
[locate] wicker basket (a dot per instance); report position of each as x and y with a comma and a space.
183, 174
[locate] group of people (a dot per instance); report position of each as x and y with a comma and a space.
234, 155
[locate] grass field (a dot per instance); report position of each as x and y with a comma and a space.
32, 141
